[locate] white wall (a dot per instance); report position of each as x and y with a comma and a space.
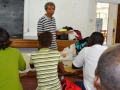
80, 14
91, 17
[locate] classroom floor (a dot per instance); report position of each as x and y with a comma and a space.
29, 81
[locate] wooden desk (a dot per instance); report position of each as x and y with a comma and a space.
68, 66
25, 43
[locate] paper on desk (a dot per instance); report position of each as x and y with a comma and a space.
66, 54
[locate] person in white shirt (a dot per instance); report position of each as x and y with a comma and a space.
88, 59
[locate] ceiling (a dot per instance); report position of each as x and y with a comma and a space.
109, 1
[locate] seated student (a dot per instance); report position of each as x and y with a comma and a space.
108, 70
88, 59
11, 61
47, 62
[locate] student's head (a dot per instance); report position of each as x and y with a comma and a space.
96, 38
45, 39
50, 8
86, 39
108, 70
4, 39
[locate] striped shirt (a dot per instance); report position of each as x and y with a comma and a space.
47, 24
46, 63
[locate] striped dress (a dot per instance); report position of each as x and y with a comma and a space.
46, 63
47, 24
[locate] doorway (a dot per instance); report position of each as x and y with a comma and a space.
108, 21
102, 10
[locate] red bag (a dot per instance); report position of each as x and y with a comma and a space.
68, 85
79, 37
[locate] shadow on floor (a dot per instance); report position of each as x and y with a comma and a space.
29, 82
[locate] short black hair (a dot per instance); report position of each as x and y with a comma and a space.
49, 4
96, 38
109, 69
4, 39
45, 39
86, 39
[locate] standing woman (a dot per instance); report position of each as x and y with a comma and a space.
11, 61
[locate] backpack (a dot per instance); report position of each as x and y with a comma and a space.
68, 85
62, 37
80, 44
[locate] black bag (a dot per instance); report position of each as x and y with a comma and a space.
62, 37
68, 28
